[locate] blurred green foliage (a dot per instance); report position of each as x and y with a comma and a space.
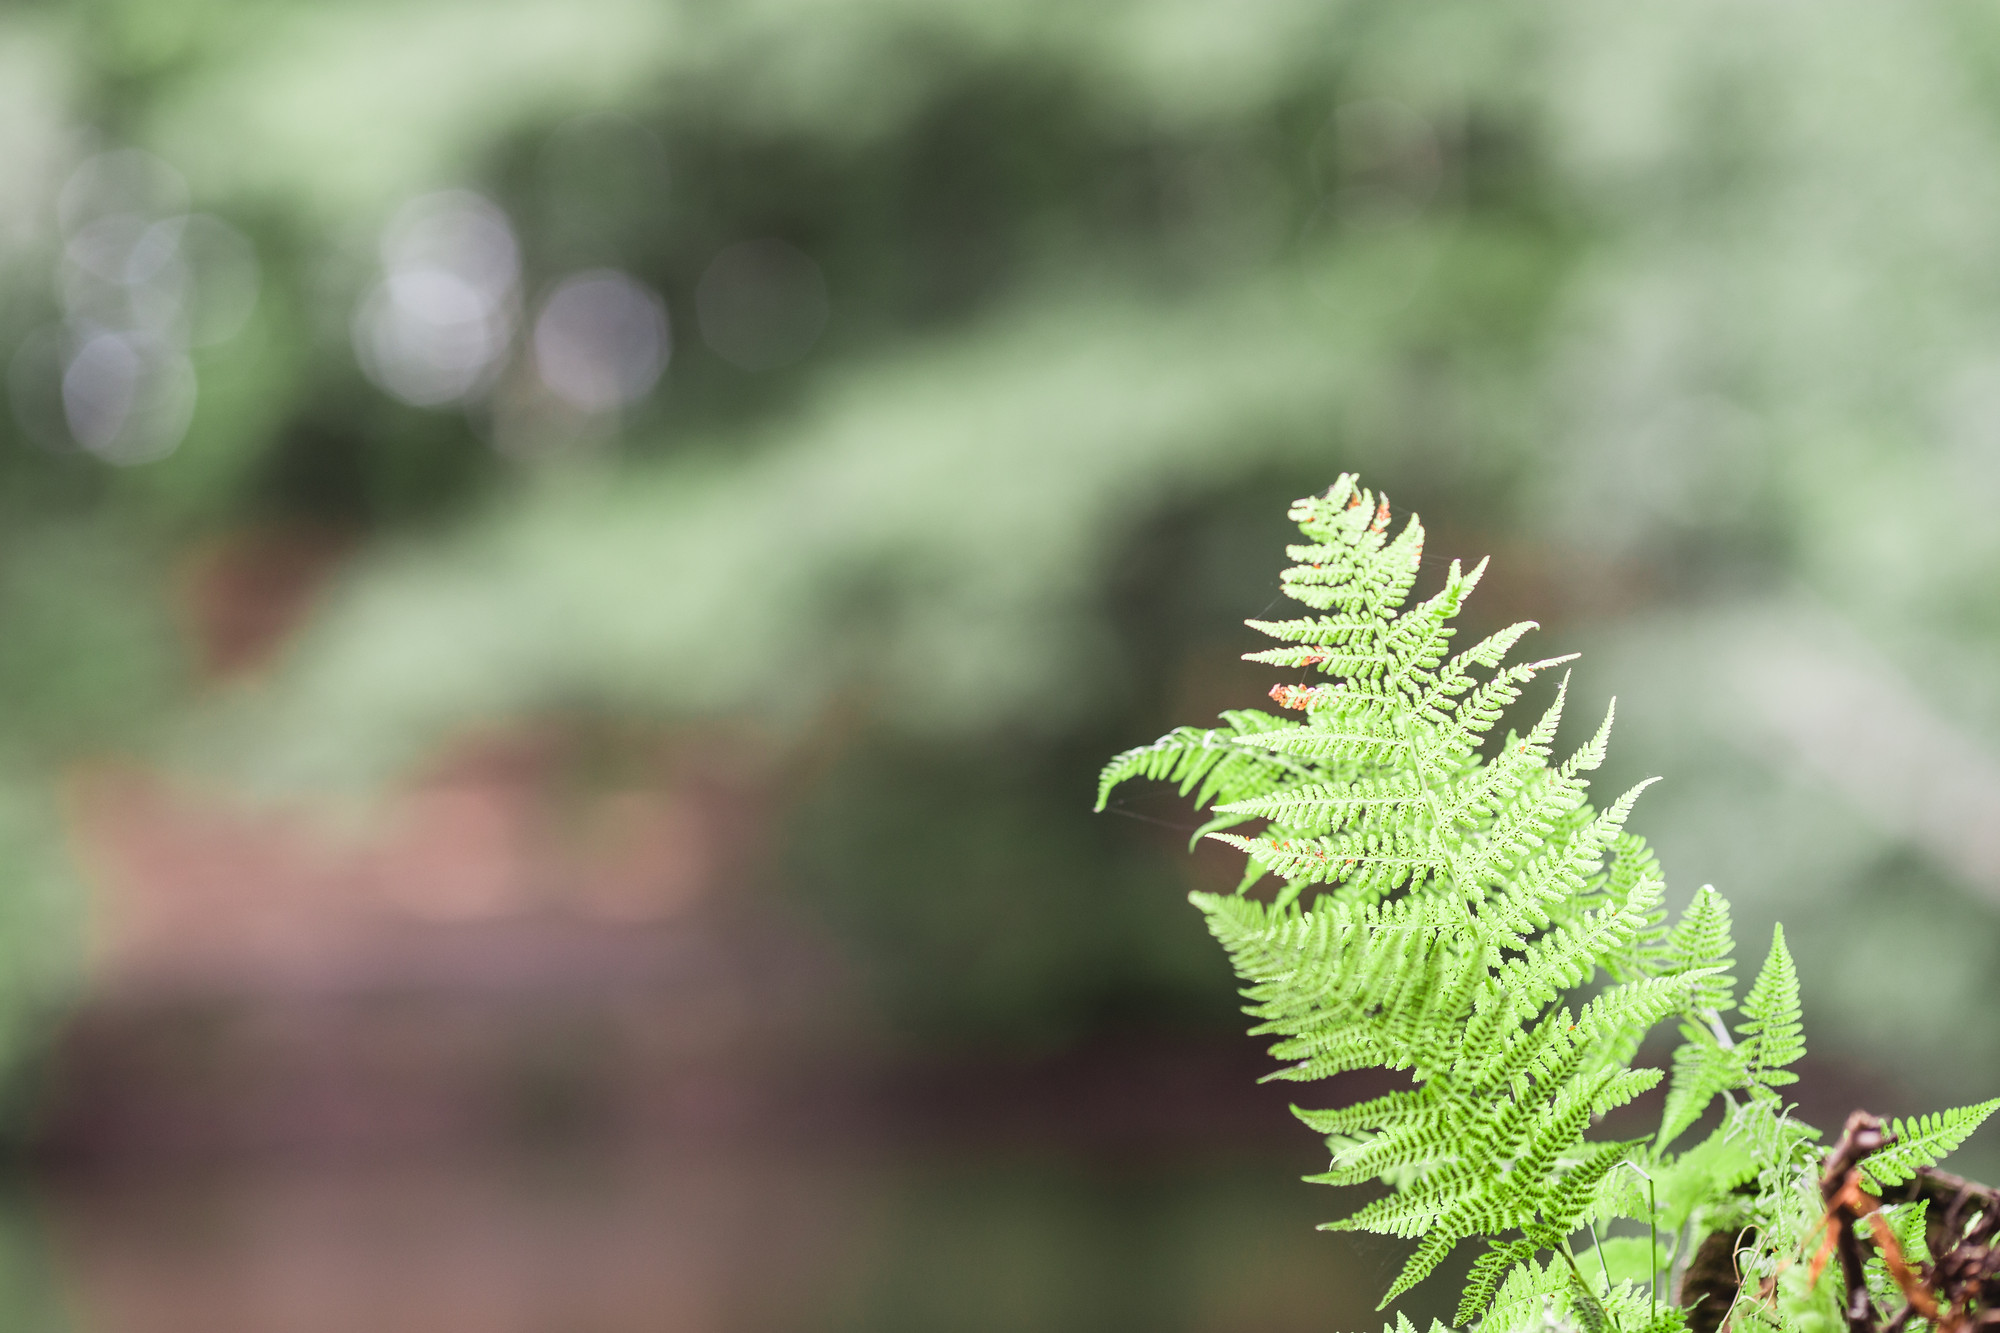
1686, 312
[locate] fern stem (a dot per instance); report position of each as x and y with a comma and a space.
1677, 1265
1577, 1273
1597, 1248
1653, 1245
1720, 1031
1652, 1251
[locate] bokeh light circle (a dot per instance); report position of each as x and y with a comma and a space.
601, 340
128, 398
436, 329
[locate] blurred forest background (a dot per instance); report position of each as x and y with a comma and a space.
566, 570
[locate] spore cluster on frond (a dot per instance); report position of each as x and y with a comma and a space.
1448, 902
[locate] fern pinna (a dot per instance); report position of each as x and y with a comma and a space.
1458, 909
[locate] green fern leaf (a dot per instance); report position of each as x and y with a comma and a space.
1923, 1141
1589, 1311
1525, 1297
1488, 1270
1452, 905
1771, 1011
1701, 941
1564, 1208
1702, 1070
1210, 763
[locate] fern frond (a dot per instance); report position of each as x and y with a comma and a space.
1436, 1246
1463, 722
1321, 807
1567, 955
1701, 941
1771, 1011
1525, 1296
1209, 763
1384, 1112
1589, 1311
1482, 1284
1923, 1141
1390, 856
1624, 1086
1352, 564
1455, 906
1314, 635
1565, 1206
1590, 755
1702, 1069
1364, 739
1632, 864
1417, 1212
